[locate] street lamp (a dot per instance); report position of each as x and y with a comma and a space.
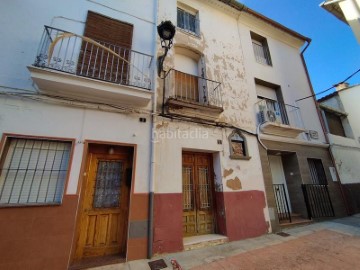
166, 31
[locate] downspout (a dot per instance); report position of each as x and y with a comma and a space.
323, 126
152, 143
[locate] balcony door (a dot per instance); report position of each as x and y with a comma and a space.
270, 96
97, 63
198, 207
186, 75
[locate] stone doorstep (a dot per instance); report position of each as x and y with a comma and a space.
201, 241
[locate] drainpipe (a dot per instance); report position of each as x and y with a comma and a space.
152, 144
323, 126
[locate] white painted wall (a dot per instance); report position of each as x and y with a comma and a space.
346, 150
287, 69
23, 25
40, 119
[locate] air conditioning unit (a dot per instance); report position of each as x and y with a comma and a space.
271, 116
261, 117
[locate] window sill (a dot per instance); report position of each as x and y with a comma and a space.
188, 32
240, 157
266, 65
23, 205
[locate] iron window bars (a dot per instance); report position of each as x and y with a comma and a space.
33, 171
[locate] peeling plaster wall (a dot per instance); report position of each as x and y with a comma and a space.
169, 156
287, 69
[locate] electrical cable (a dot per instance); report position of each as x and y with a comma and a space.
348, 78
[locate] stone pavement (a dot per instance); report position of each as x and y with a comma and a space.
331, 244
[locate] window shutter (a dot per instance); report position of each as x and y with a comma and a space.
102, 28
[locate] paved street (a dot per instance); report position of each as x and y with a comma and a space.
324, 245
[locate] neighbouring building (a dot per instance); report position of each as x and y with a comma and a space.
340, 112
348, 11
76, 130
104, 160
257, 158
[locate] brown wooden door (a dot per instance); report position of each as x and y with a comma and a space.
198, 205
104, 213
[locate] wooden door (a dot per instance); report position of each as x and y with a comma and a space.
198, 205
104, 212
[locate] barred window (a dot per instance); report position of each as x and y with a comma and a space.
261, 49
317, 171
33, 171
187, 21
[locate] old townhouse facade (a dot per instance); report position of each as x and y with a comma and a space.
76, 131
265, 161
104, 159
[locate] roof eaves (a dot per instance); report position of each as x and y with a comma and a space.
242, 7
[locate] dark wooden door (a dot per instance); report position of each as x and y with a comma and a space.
104, 213
198, 217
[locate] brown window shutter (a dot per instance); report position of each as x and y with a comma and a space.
98, 63
108, 30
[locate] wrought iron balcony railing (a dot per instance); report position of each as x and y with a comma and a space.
277, 112
67, 52
192, 89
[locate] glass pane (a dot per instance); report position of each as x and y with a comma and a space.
108, 182
204, 188
188, 189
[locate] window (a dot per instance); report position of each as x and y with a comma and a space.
33, 171
238, 149
334, 123
187, 21
317, 171
261, 49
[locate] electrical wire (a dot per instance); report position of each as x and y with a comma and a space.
348, 78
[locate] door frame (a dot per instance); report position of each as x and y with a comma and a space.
82, 185
212, 183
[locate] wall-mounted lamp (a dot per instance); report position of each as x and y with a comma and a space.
166, 31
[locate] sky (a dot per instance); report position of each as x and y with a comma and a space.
333, 54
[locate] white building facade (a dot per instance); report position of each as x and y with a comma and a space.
235, 81
340, 114
76, 131
103, 160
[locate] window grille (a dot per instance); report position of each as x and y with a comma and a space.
187, 21
261, 49
317, 171
33, 171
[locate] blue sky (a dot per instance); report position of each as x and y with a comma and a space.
333, 54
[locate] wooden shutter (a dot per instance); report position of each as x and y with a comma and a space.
108, 30
99, 64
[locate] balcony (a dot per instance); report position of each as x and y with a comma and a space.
189, 94
279, 119
72, 66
